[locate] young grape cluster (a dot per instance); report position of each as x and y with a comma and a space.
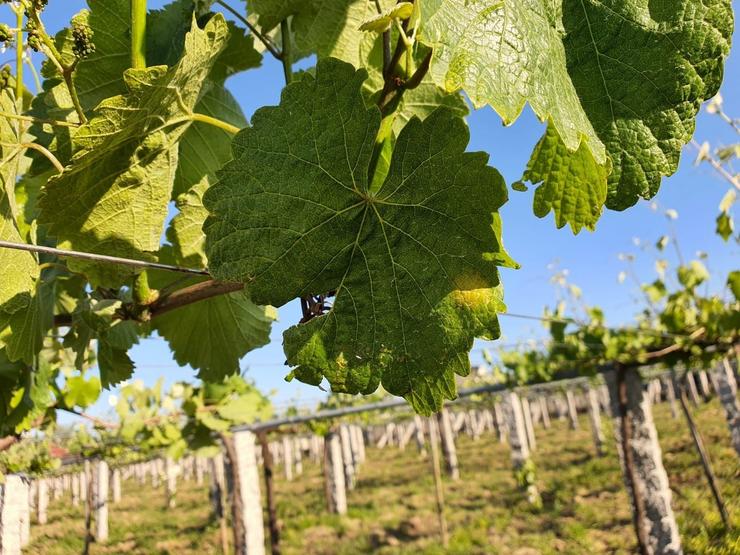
39, 5
82, 37
4, 77
6, 36
33, 35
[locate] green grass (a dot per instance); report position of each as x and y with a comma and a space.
392, 510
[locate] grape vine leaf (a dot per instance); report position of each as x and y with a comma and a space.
226, 327
329, 28
97, 321
573, 183
420, 101
506, 54
412, 265
22, 333
205, 148
232, 323
733, 283
100, 76
642, 72
625, 77
123, 173
16, 286
81, 392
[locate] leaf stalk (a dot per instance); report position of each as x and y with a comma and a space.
215, 122
138, 34
264, 39
287, 54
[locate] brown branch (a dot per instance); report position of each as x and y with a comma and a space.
672, 348
192, 294
95, 420
8, 441
182, 297
416, 79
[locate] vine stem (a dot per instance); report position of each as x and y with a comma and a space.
32, 119
286, 57
215, 122
256, 32
39, 148
19, 61
733, 179
36, 77
138, 34
55, 56
95, 420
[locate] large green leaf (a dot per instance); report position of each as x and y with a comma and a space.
227, 326
16, 286
213, 335
573, 183
205, 148
413, 265
325, 27
642, 69
97, 321
625, 76
506, 54
122, 174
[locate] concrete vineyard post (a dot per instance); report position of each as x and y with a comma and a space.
419, 435
75, 490
42, 505
727, 392
449, 451
358, 445
248, 488
287, 458
315, 449
154, 473
349, 466
171, 471
544, 412
693, 392
528, 425
24, 494
336, 492
572, 410
115, 485
520, 455
13, 497
642, 464
217, 485
594, 416
101, 501
298, 456
704, 385
671, 395
500, 422
354, 443
198, 471
407, 430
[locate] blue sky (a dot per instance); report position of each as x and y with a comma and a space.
590, 257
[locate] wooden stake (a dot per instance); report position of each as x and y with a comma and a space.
438, 487
267, 466
706, 463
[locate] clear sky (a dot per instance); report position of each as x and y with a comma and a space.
590, 257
